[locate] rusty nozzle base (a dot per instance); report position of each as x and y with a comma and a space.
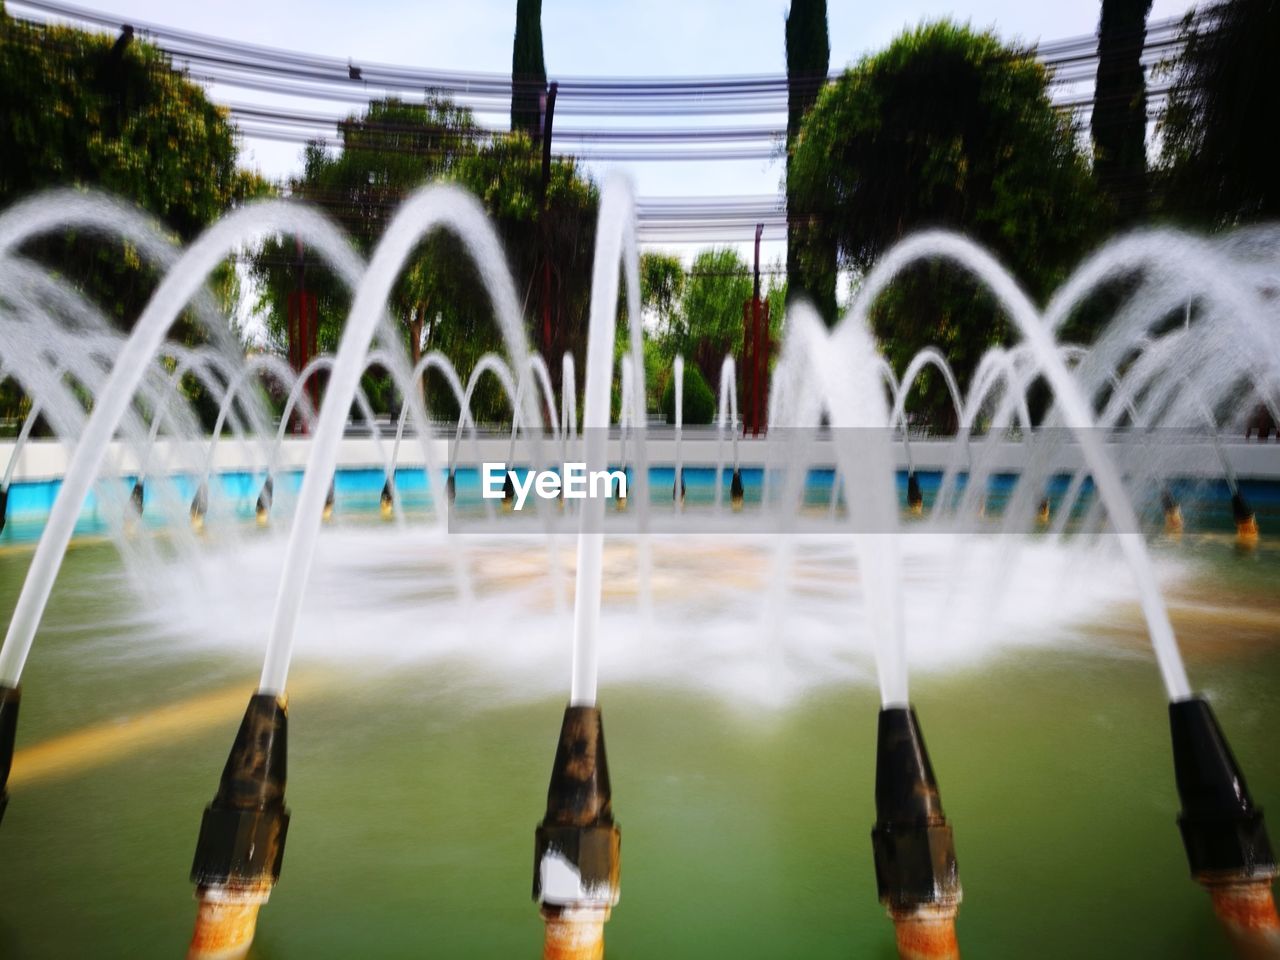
10, 697
915, 858
737, 491
574, 933
226, 920
927, 933
577, 847
1247, 911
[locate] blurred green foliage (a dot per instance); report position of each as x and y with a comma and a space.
82, 109
947, 127
697, 401
1218, 131
439, 300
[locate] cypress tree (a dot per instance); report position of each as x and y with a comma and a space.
528, 71
811, 251
1120, 107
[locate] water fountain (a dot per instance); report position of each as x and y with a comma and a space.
835, 410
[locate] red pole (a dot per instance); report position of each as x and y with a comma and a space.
758, 373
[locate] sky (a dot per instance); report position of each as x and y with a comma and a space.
591, 37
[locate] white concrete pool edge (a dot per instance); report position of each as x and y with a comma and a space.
45, 460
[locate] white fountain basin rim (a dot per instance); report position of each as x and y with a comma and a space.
1192, 458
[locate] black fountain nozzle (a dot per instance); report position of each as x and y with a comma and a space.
242, 834
915, 854
1241, 512
10, 697
138, 496
915, 497
1222, 828
330, 498
1172, 512
451, 487
387, 498
619, 495
4, 507
508, 493
677, 488
200, 502
737, 492
578, 826
265, 496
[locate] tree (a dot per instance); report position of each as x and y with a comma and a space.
661, 285
88, 109
1119, 119
394, 147
947, 128
811, 250
1219, 138
697, 401
528, 71
439, 299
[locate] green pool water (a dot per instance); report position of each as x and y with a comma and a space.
745, 830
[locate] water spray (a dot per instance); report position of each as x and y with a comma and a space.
576, 849
262, 510
242, 834
915, 498
9, 699
1223, 830
576, 860
915, 857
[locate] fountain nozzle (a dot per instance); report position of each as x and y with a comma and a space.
387, 500
1246, 520
330, 498
737, 492
138, 497
915, 859
4, 507
1043, 512
199, 507
262, 510
1172, 513
677, 489
1223, 830
619, 497
576, 863
241, 844
915, 497
10, 697
508, 494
